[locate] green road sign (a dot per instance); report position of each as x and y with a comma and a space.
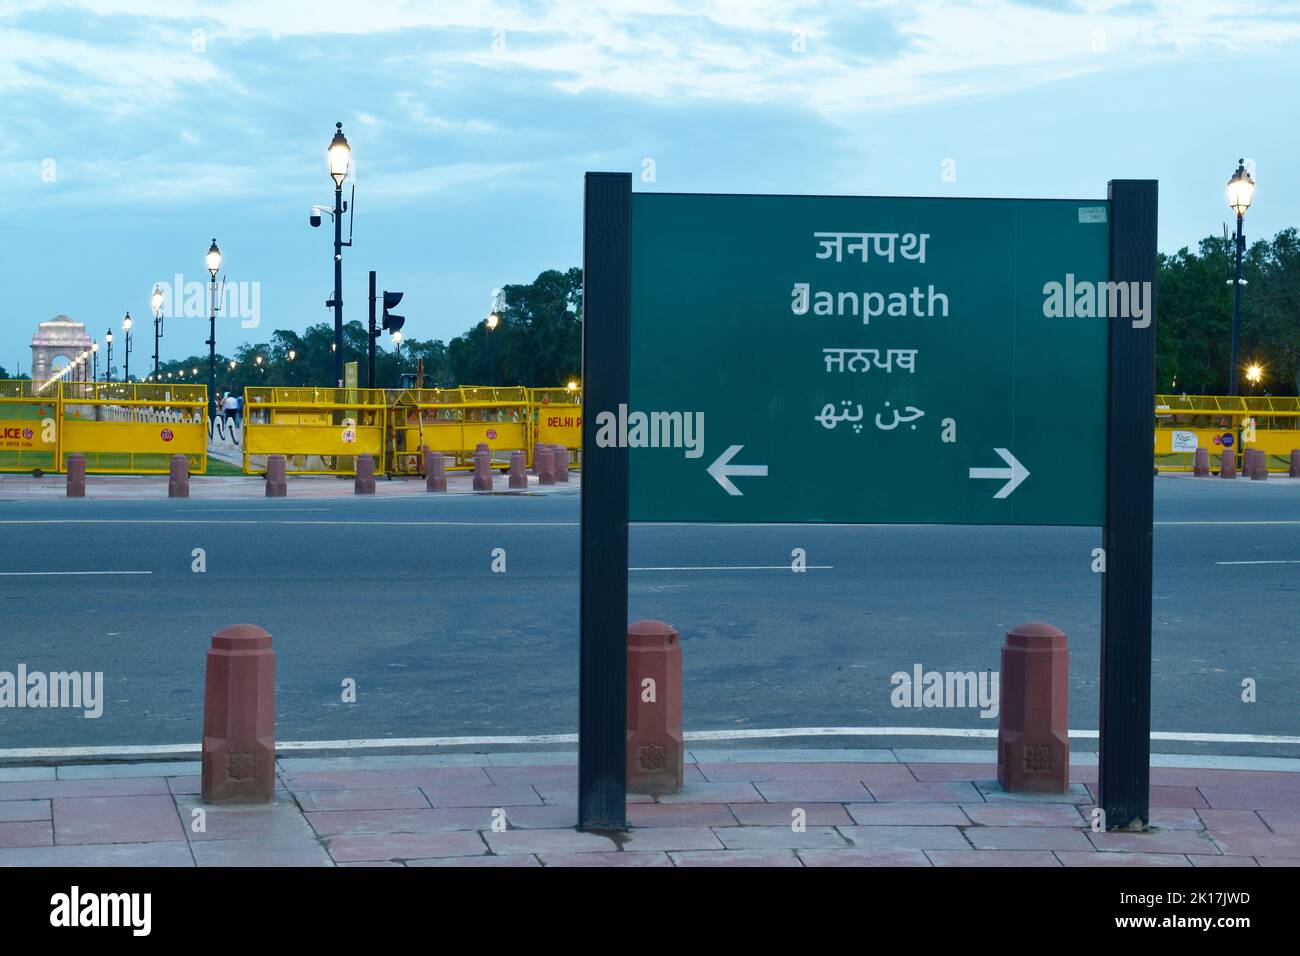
868, 360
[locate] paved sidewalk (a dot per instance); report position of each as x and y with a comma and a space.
862, 808
142, 487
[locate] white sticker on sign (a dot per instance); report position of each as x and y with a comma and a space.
1092, 214
1184, 441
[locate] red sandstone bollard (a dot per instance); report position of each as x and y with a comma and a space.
518, 469
435, 472
483, 469
1229, 467
1259, 471
1295, 463
655, 750
544, 464
178, 482
76, 475
276, 485
561, 464
239, 717
365, 481
1202, 467
1033, 727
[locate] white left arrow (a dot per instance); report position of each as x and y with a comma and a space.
723, 472
1012, 475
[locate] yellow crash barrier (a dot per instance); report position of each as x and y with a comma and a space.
1184, 423
29, 426
557, 418
131, 427
320, 431
455, 421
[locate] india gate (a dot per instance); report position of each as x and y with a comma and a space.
61, 338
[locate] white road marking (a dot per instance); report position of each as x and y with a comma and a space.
741, 567
26, 574
1257, 562
311, 521
373, 743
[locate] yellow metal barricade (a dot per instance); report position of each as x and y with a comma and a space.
320, 431
557, 418
1221, 423
132, 427
455, 421
29, 426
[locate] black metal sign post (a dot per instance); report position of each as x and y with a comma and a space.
606, 325
1125, 744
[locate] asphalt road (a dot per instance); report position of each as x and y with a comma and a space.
398, 594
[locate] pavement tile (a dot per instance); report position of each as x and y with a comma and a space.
1272, 861
20, 833
387, 779
1051, 815
1281, 821
938, 791
136, 819
1171, 796
1155, 841
1249, 779
260, 853
928, 772
1223, 860
295, 765
337, 822
985, 758
1093, 858
789, 755
733, 792
377, 863
671, 838
992, 858
400, 798
908, 814
110, 771
542, 842
1241, 798
814, 791
192, 785
502, 795
537, 758
684, 814
45, 789
27, 773
1171, 818
906, 837
992, 792
549, 817
350, 848
796, 772
176, 853
779, 838
1235, 821
513, 860
854, 857
1278, 845
782, 814
13, 810
1028, 838
567, 795
630, 859
747, 858
277, 821
534, 776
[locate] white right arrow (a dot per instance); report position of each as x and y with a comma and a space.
1013, 475
722, 471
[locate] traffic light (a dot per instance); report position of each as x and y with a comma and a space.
392, 322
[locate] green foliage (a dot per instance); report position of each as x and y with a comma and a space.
1194, 322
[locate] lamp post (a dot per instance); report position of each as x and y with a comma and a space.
156, 300
108, 362
1241, 190
489, 325
126, 329
213, 262
94, 361
338, 154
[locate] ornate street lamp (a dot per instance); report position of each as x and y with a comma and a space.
156, 302
213, 262
1241, 192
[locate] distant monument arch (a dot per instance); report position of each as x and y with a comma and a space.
60, 338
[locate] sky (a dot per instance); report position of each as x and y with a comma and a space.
133, 132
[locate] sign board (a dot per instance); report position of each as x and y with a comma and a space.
867, 360
1183, 441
